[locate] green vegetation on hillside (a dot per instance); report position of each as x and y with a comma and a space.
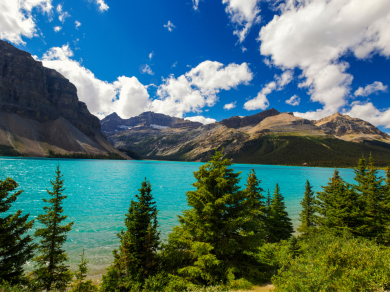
229, 239
110, 156
8, 151
315, 151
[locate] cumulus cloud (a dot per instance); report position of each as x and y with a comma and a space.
146, 69
201, 119
293, 100
368, 112
199, 87
17, 21
261, 101
317, 34
102, 5
57, 28
77, 23
370, 89
243, 14
169, 25
128, 97
62, 15
229, 106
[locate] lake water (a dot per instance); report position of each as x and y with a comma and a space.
99, 193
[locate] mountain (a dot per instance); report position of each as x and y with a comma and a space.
114, 123
268, 137
40, 111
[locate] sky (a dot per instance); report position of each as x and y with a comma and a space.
207, 60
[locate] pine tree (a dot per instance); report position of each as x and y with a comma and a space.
267, 217
80, 285
137, 258
338, 207
219, 234
255, 194
15, 246
386, 206
280, 224
51, 272
307, 216
373, 197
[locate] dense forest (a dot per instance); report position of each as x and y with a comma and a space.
229, 239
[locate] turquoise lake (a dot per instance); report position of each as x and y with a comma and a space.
99, 193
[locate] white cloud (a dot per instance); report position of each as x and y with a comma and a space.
199, 87
169, 25
201, 119
77, 23
151, 55
314, 34
229, 106
243, 14
102, 5
128, 97
195, 4
174, 65
368, 112
244, 49
17, 21
62, 15
261, 101
293, 100
370, 89
146, 69
57, 28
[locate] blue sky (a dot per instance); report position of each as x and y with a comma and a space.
212, 59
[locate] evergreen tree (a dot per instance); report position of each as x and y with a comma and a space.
279, 222
386, 206
373, 195
267, 217
338, 207
137, 258
254, 192
15, 246
80, 285
307, 216
51, 272
218, 236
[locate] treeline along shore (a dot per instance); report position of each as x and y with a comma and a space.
229, 239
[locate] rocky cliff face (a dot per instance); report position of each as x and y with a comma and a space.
114, 123
238, 122
42, 94
347, 128
40, 110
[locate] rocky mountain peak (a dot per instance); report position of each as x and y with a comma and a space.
238, 122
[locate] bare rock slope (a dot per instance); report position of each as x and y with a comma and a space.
40, 110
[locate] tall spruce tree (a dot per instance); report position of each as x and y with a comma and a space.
267, 217
280, 224
51, 271
373, 196
137, 258
218, 236
16, 246
255, 194
338, 207
386, 206
307, 215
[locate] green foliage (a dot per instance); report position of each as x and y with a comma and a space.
15, 246
137, 260
110, 156
374, 201
338, 207
314, 150
280, 226
307, 215
132, 154
51, 271
7, 287
80, 285
9, 151
217, 238
335, 263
